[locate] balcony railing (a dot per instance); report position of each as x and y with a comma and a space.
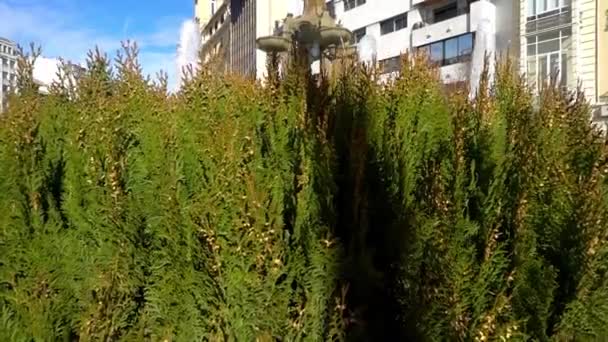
437, 31
550, 20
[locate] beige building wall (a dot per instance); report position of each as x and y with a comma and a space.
602, 51
584, 28
202, 11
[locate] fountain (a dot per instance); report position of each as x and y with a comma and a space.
188, 48
485, 44
315, 29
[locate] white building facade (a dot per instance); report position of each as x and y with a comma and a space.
8, 69
447, 30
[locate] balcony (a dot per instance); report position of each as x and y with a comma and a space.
434, 28
455, 72
441, 30
551, 20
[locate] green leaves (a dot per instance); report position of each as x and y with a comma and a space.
343, 209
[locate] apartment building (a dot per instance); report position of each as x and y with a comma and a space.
215, 33
8, 67
230, 27
567, 39
447, 30
47, 70
457, 34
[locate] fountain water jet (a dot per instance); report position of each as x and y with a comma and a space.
485, 45
188, 48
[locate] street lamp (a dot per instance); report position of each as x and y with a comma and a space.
315, 29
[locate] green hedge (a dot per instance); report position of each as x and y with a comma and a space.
338, 208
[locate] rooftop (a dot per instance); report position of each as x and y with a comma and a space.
7, 41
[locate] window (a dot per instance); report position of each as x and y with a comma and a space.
542, 8
450, 51
445, 13
350, 4
389, 65
548, 56
465, 47
437, 52
358, 34
393, 24
401, 22
212, 7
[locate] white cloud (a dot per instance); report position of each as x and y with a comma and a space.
54, 29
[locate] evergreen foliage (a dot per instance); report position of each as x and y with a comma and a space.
305, 209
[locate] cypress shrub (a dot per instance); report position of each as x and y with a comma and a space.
306, 208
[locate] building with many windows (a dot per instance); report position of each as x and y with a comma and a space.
568, 40
47, 70
230, 28
564, 38
8, 67
445, 29
215, 32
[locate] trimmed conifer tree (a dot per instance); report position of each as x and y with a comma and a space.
337, 207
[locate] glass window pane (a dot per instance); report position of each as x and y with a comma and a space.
564, 71
401, 22
465, 45
531, 69
554, 62
445, 13
358, 34
387, 26
426, 50
437, 52
541, 6
548, 46
390, 64
553, 4
543, 69
451, 51
531, 7
548, 36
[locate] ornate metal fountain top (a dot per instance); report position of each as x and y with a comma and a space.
315, 27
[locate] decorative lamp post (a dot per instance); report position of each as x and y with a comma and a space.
315, 30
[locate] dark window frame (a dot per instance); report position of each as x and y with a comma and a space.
357, 36
391, 64
446, 12
350, 4
390, 25
459, 58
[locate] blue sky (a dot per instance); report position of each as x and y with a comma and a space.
69, 28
